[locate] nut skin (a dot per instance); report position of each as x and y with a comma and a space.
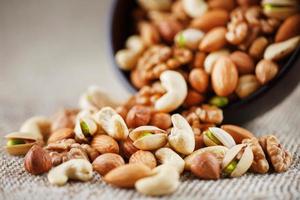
288, 29
145, 157
243, 62
193, 98
213, 40
60, 134
224, 76
258, 46
161, 120
265, 71
138, 116
199, 80
125, 176
106, 162
127, 148
211, 19
223, 4
105, 144
168, 29
199, 60
238, 133
206, 166
37, 160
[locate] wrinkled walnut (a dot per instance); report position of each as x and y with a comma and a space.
280, 158
260, 163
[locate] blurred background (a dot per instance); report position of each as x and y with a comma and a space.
50, 52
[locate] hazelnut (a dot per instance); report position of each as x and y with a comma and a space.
122, 110
144, 157
193, 98
168, 29
105, 144
265, 71
106, 162
206, 166
138, 116
127, 148
37, 160
199, 80
161, 120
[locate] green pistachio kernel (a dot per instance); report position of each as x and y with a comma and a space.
181, 40
210, 135
219, 101
85, 128
144, 134
12, 142
229, 169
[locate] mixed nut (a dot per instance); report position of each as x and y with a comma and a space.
191, 54
225, 49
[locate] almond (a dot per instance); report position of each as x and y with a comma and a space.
224, 77
199, 80
125, 176
145, 157
60, 134
258, 47
247, 84
288, 29
223, 4
211, 19
105, 144
243, 62
213, 40
106, 162
266, 70
206, 166
238, 133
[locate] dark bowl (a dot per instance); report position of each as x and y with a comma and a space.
237, 112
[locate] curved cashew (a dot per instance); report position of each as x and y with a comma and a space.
168, 156
195, 8
165, 180
77, 169
112, 123
38, 126
182, 137
95, 98
176, 88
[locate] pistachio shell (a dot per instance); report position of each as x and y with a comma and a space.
219, 151
39, 126
138, 132
90, 125
20, 149
151, 142
231, 154
22, 135
225, 138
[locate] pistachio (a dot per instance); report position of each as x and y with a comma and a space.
280, 9
85, 128
148, 137
219, 101
216, 136
237, 160
189, 38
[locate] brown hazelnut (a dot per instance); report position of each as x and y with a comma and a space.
144, 157
106, 162
206, 166
122, 110
138, 116
168, 29
199, 80
199, 60
199, 142
127, 148
37, 160
161, 120
193, 98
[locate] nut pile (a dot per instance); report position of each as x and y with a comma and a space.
152, 153
225, 49
186, 52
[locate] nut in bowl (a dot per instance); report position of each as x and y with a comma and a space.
249, 29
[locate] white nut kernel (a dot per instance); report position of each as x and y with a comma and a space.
211, 59
181, 137
168, 156
95, 98
76, 169
195, 8
176, 88
127, 59
159, 5
189, 38
165, 180
112, 123
135, 43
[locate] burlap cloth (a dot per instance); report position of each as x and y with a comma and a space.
284, 121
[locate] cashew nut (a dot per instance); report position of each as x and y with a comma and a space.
181, 137
95, 98
112, 123
76, 169
176, 88
165, 180
159, 5
195, 8
168, 156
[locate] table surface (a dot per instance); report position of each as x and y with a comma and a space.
51, 51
